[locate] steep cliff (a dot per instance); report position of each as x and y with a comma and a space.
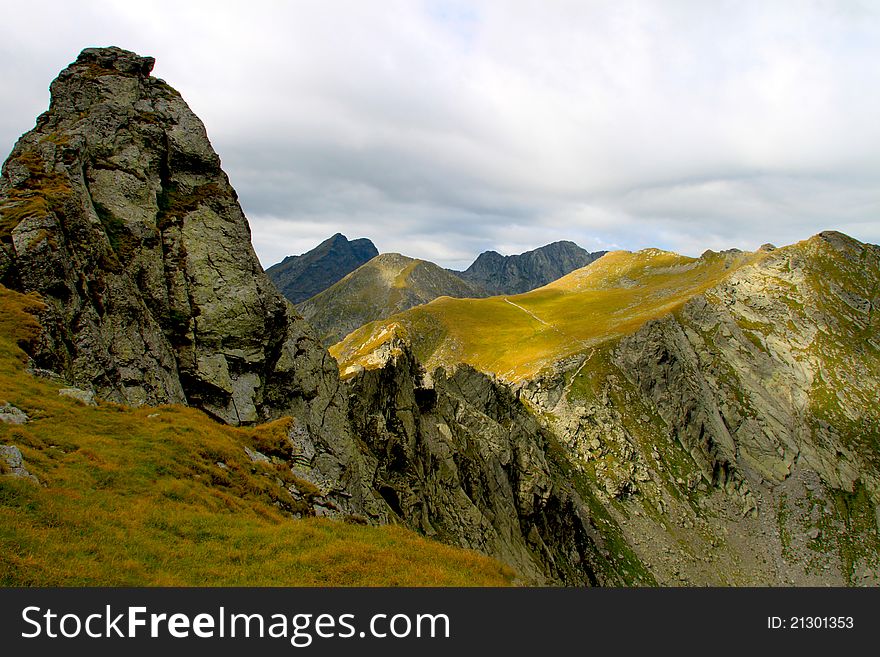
649, 418
116, 211
462, 460
300, 277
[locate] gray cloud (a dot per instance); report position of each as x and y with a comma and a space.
444, 128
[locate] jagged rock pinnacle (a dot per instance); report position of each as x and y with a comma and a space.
115, 210
112, 57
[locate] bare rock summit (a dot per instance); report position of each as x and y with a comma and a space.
116, 211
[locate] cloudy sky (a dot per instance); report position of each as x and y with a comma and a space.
443, 128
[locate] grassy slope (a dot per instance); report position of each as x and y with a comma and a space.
135, 497
517, 336
387, 284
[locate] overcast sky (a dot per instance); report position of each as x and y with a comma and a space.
440, 129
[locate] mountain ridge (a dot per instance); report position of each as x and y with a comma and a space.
387, 284
514, 336
515, 274
372, 291
647, 419
760, 375
303, 276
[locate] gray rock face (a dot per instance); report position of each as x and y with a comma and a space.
12, 463
461, 460
742, 427
771, 368
9, 414
116, 211
498, 274
301, 277
129, 229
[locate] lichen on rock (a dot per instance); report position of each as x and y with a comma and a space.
117, 212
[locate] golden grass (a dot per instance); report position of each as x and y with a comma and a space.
402, 279
516, 336
136, 497
43, 192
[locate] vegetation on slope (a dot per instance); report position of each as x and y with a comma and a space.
389, 283
517, 336
166, 496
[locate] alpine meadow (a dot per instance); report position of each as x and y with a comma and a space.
529, 408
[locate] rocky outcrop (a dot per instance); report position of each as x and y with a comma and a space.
388, 284
497, 274
10, 414
461, 460
12, 464
301, 277
746, 418
116, 211
121, 218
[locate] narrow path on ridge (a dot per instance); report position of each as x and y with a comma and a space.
568, 336
547, 324
531, 314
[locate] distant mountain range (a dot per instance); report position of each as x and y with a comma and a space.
340, 285
515, 274
646, 419
389, 283
303, 276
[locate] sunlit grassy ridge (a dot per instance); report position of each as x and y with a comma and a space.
137, 497
387, 284
517, 336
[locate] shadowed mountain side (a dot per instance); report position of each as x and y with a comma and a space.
301, 277
515, 274
649, 418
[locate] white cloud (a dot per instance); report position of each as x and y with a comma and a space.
442, 128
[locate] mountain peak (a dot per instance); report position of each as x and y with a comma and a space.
488, 256
387, 284
111, 76
116, 212
113, 58
301, 277
514, 274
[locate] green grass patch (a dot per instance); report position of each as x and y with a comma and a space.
517, 336
166, 496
